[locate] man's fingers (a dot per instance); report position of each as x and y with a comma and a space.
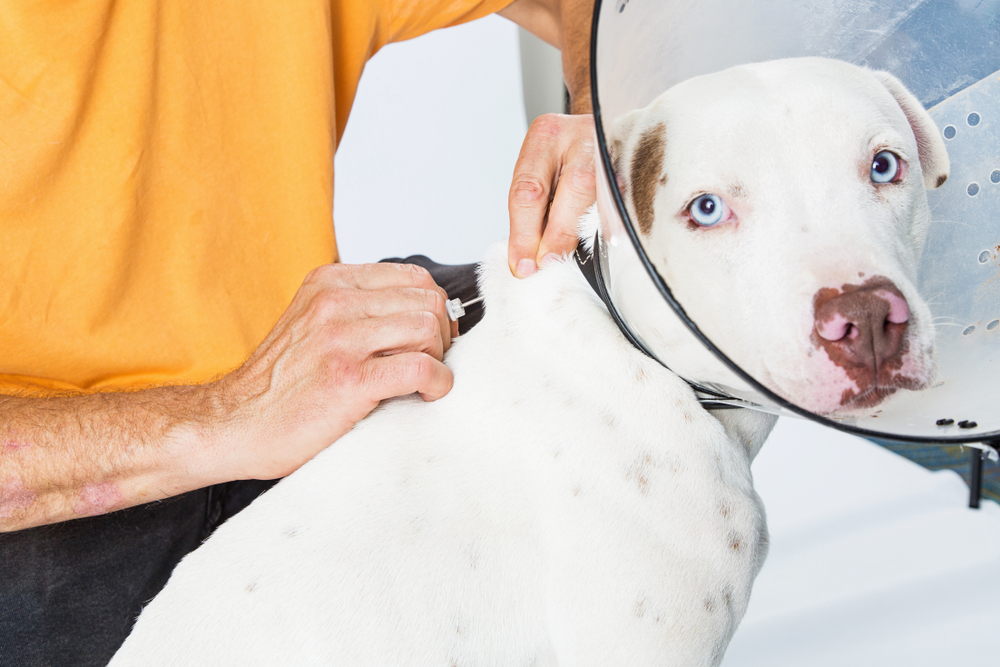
370, 276
339, 292
558, 158
412, 331
530, 191
403, 374
575, 193
383, 303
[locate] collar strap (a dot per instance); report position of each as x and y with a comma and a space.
590, 265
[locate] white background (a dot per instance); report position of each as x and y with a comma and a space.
426, 160
874, 560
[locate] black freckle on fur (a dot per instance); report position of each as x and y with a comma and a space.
724, 510
709, 604
647, 163
941, 179
727, 595
735, 545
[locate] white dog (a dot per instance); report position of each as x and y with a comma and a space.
570, 502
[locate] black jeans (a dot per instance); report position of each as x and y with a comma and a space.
70, 592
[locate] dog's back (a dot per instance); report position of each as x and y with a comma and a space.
567, 503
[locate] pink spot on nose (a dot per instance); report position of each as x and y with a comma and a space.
97, 498
899, 310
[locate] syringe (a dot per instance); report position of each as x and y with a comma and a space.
456, 308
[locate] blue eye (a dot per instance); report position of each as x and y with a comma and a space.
708, 210
885, 167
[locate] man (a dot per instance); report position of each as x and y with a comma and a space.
172, 319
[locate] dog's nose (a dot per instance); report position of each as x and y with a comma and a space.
863, 326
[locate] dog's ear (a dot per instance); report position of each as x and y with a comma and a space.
640, 176
933, 155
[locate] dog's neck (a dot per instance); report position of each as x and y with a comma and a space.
591, 260
589, 263
553, 325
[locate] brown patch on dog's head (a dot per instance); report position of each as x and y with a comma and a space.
645, 176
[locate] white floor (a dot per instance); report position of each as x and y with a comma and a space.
874, 560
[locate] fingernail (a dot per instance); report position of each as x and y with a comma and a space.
549, 259
525, 267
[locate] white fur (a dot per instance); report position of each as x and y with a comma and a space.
568, 503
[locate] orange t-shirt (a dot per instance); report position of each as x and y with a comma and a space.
166, 175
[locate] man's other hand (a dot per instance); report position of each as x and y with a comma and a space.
553, 186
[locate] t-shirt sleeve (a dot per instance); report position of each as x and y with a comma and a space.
411, 18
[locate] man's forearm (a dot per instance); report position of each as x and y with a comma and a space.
564, 24
352, 336
577, 17
72, 456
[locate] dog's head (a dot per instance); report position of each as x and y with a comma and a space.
785, 205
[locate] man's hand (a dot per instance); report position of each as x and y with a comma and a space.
553, 186
353, 335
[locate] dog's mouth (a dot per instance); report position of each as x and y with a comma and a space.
860, 399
